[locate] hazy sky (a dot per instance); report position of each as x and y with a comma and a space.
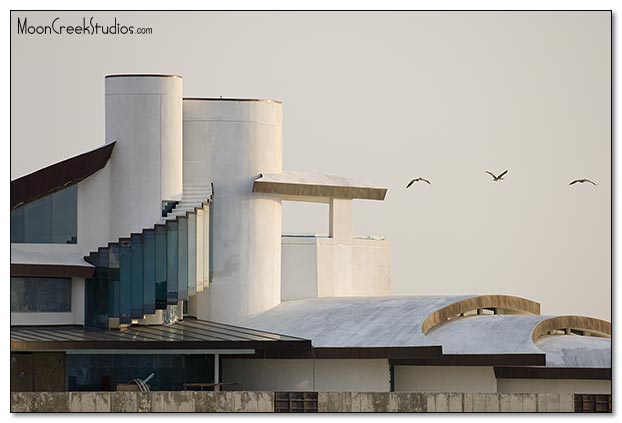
383, 97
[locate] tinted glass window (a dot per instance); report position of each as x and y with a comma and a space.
41, 295
51, 220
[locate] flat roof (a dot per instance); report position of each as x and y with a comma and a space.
48, 263
319, 185
189, 334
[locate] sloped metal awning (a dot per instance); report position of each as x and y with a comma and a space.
187, 336
59, 175
301, 185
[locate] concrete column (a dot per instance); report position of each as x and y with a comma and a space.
144, 116
229, 142
340, 220
216, 371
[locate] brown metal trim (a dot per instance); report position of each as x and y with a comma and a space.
263, 100
509, 302
143, 75
593, 373
51, 270
326, 191
59, 175
407, 353
475, 360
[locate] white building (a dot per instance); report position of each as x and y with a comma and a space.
166, 244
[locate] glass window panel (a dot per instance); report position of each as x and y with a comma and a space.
171, 263
125, 281
207, 221
149, 280
102, 288
160, 270
41, 295
182, 258
137, 276
65, 215
113, 280
199, 251
192, 254
38, 221
17, 225
90, 293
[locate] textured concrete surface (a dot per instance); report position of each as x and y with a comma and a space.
89, 402
250, 401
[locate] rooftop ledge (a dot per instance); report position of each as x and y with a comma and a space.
298, 185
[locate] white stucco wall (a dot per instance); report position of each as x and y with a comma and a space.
324, 375
299, 275
144, 116
445, 379
230, 143
75, 317
576, 386
327, 267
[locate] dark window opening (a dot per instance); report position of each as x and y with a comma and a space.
40, 295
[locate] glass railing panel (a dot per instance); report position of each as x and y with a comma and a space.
137, 276
182, 257
199, 251
113, 280
192, 254
149, 265
125, 281
160, 267
172, 292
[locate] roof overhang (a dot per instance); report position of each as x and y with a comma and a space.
475, 360
50, 264
59, 175
51, 270
593, 373
316, 186
431, 352
187, 335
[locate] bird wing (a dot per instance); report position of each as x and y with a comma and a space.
574, 182
425, 180
501, 176
587, 180
410, 183
491, 174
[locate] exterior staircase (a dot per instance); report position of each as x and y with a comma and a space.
155, 269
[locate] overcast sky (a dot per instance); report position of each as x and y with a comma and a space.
384, 97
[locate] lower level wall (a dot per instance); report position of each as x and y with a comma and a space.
224, 402
555, 385
308, 375
443, 378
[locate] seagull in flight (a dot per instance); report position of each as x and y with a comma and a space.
582, 181
417, 180
497, 178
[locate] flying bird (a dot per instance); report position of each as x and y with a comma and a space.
582, 181
417, 180
496, 178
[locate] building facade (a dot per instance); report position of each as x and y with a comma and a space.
162, 252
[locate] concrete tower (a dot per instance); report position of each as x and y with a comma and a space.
230, 142
144, 116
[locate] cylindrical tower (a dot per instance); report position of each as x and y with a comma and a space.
144, 116
230, 142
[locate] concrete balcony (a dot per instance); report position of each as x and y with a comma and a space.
317, 265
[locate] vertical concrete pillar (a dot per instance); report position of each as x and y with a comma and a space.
144, 116
340, 220
229, 142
